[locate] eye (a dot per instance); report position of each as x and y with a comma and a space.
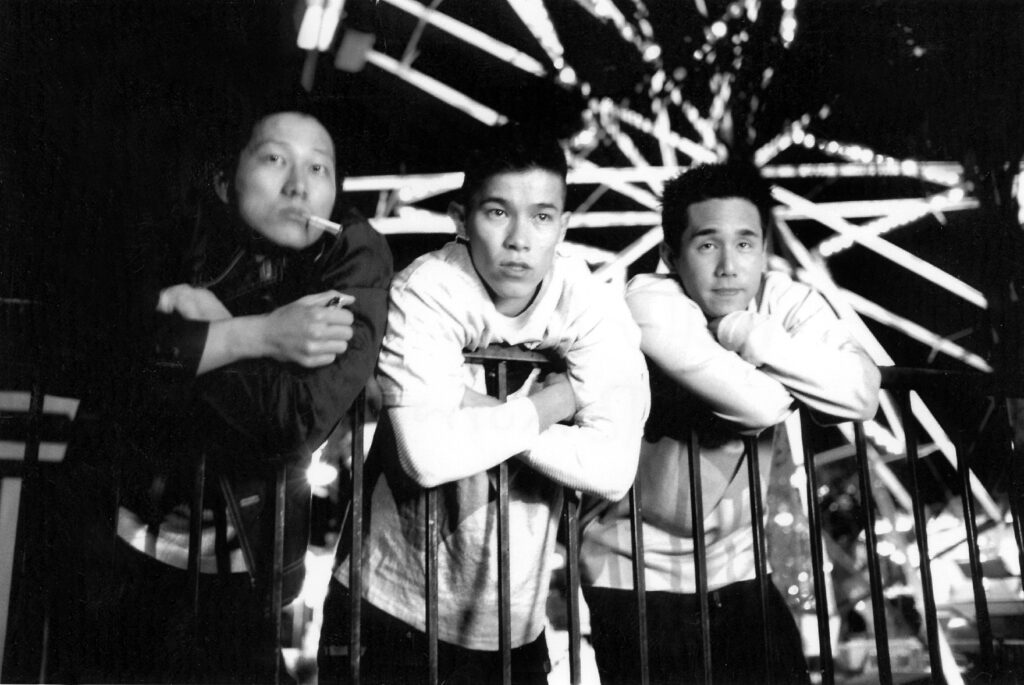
495, 213
705, 247
543, 218
273, 158
320, 169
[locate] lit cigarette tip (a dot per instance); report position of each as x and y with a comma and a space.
324, 224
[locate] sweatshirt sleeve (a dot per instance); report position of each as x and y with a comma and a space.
599, 451
424, 378
803, 345
675, 337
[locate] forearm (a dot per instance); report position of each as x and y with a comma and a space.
598, 454
232, 340
437, 446
836, 379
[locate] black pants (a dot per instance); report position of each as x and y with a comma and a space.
395, 653
133, 622
674, 637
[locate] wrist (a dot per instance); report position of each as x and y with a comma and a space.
246, 336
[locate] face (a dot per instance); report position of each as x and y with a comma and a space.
285, 173
721, 256
514, 223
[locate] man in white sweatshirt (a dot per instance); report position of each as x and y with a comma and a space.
732, 350
503, 282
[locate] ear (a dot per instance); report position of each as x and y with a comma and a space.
668, 255
564, 225
220, 186
457, 213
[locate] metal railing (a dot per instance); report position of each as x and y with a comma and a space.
897, 380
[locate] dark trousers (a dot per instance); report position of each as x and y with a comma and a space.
395, 653
132, 621
674, 637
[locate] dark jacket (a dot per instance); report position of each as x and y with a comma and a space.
254, 417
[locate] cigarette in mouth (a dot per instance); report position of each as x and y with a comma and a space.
329, 226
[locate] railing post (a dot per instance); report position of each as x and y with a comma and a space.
867, 502
921, 527
430, 502
700, 561
570, 517
817, 554
636, 525
977, 573
504, 583
355, 565
277, 574
760, 555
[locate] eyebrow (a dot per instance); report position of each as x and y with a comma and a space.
276, 141
503, 201
745, 232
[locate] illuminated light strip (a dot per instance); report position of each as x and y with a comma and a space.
634, 251
897, 219
415, 220
861, 209
882, 247
860, 169
630, 191
662, 132
474, 37
915, 331
693, 150
820, 278
538, 22
629, 149
432, 86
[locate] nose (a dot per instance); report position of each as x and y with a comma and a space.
295, 184
518, 237
726, 263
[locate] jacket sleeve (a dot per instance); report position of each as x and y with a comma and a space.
804, 346
675, 337
283, 408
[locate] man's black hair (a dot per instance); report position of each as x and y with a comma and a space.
511, 148
710, 182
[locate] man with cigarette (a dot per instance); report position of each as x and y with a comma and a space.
248, 361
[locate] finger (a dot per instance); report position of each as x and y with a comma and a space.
317, 360
336, 298
335, 333
337, 317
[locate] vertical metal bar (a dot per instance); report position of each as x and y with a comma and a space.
980, 604
921, 528
504, 583
828, 674
874, 572
570, 517
195, 537
700, 562
760, 554
430, 503
1017, 498
355, 565
277, 579
636, 518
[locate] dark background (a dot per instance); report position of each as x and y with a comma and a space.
98, 100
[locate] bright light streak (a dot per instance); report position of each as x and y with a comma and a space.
309, 29
474, 37
432, 86
329, 23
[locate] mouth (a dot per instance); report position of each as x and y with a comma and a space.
727, 292
295, 214
515, 267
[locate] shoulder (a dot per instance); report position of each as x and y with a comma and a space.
790, 302
659, 294
359, 254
